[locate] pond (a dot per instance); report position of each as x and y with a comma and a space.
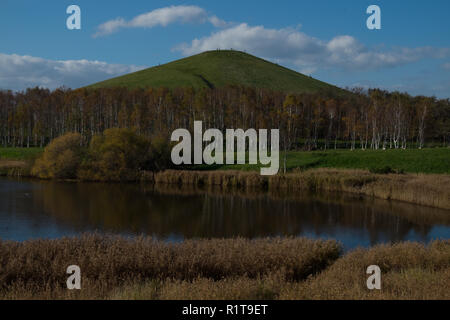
40, 209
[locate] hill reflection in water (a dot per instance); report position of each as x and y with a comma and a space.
30, 209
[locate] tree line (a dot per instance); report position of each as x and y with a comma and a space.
373, 119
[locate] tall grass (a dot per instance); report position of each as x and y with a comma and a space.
279, 268
15, 168
429, 190
409, 271
37, 268
17, 161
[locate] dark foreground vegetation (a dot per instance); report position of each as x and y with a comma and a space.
278, 268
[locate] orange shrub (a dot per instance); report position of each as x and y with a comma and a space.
61, 158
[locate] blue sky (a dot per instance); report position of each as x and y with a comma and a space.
325, 38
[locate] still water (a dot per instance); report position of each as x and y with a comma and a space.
35, 209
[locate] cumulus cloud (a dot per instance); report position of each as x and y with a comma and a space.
291, 46
19, 72
288, 46
161, 17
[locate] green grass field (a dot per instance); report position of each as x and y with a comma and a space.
218, 69
436, 160
20, 153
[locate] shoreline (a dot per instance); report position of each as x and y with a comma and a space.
420, 189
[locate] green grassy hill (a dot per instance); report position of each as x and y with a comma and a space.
217, 69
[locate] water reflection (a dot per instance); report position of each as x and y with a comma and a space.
30, 209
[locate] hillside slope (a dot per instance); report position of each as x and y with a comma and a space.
217, 69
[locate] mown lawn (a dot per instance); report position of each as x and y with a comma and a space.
436, 160
19, 153
412, 160
433, 160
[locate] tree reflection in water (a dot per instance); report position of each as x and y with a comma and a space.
176, 213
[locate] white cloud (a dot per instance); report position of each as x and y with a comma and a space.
168, 15
161, 17
219, 23
291, 46
19, 72
110, 27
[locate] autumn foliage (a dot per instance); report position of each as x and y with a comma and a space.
115, 155
374, 119
61, 158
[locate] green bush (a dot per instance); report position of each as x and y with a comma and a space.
116, 155
160, 153
61, 158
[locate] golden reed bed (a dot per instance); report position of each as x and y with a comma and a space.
277, 268
423, 189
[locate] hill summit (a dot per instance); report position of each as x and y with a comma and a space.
219, 68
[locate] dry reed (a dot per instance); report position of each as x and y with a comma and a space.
37, 268
409, 271
423, 189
